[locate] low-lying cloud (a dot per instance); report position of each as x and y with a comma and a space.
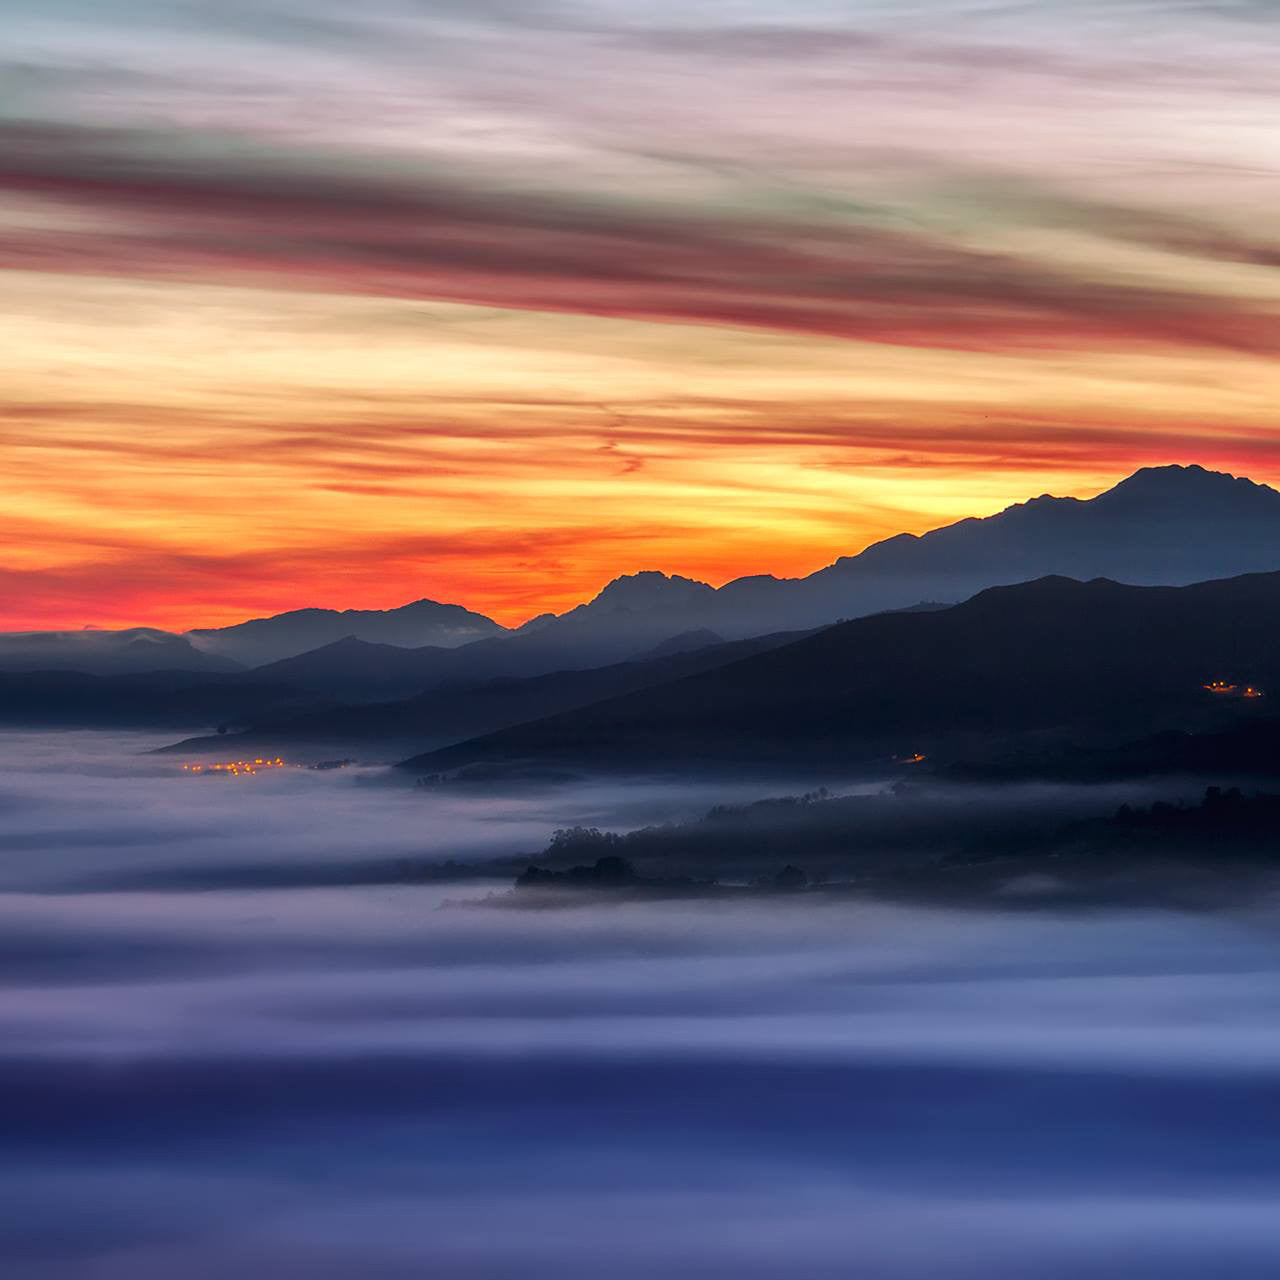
376, 1081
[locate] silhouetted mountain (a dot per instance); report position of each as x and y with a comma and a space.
360, 671
424, 622
247, 644
632, 613
451, 714
534, 623
1161, 526
685, 642
605, 631
159, 699
1052, 655
96, 652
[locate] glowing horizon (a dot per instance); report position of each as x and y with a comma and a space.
565, 598
491, 304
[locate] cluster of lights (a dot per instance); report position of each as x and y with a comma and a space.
237, 768
1233, 690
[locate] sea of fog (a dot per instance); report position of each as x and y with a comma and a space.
373, 1083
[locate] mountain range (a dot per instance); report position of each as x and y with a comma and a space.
1050, 658
422, 622
1165, 526
105, 653
392, 729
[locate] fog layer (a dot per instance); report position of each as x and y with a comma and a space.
397, 1081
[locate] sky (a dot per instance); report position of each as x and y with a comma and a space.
488, 301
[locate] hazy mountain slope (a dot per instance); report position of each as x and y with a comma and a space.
160, 699
358, 671
1054, 654
106, 652
424, 622
248, 644
614, 627
447, 715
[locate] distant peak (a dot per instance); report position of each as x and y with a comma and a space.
423, 604
685, 642
1176, 477
649, 589
535, 623
347, 643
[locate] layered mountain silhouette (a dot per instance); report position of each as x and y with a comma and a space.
391, 729
423, 622
1054, 656
251, 644
1162, 526
137, 650
1168, 525
151, 699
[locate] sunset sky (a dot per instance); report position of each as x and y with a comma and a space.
311, 302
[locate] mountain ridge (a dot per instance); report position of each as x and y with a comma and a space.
1026, 659
457, 711
1162, 525
259, 641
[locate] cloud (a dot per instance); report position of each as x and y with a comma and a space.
297, 221
1062, 227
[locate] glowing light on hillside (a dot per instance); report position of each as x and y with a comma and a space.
238, 768
1225, 689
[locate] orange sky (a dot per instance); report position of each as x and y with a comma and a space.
191, 464
393, 316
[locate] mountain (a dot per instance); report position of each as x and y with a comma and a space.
454, 713
1170, 525
153, 699
632, 617
247, 644
137, 650
633, 612
1052, 656
353, 670
424, 622
685, 642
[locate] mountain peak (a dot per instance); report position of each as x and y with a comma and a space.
285, 635
685, 642
536, 623
1176, 480
650, 589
